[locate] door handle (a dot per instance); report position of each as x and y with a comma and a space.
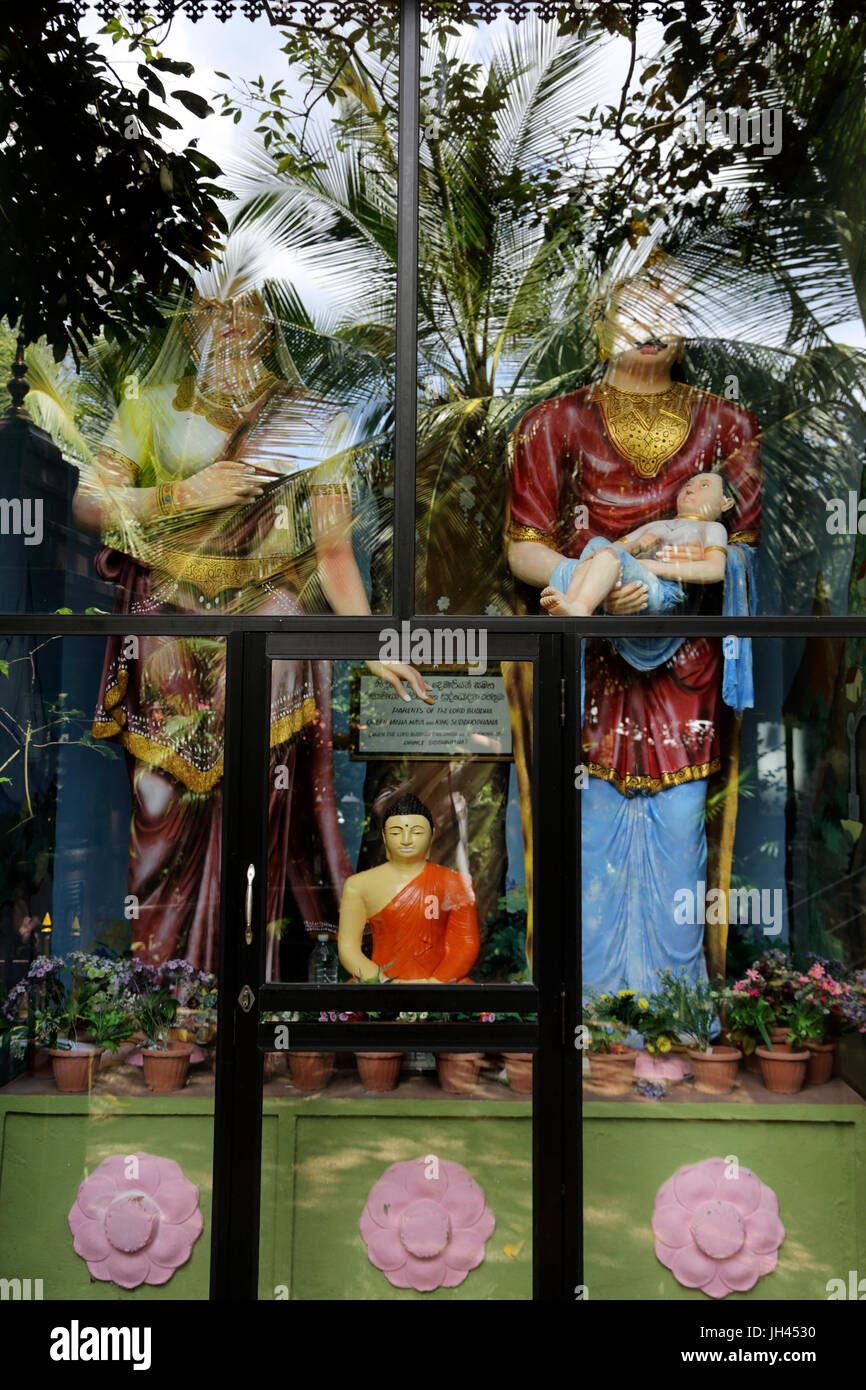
248, 906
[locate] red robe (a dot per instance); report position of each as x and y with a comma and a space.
428, 929
642, 731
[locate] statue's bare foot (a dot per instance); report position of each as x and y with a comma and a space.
555, 602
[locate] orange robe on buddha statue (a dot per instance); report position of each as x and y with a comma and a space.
429, 930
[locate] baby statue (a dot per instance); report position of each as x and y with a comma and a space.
578, 587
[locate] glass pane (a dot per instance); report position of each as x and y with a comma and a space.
723, 964
607, 317
420, 1191
400, 831
110, 803
227, 447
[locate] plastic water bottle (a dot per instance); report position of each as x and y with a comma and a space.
324, 962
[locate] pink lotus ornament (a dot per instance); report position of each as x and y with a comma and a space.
135, 1220
425, 1224
717, 1227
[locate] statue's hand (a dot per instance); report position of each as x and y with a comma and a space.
224, 483
395, 673
628, 598
689, 550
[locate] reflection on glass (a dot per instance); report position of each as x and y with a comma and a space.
400, 832
409, 1177
235, 456
104, 1041
723, 967
723, 891
421, 915
579, 365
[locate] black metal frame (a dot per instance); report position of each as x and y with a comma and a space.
237, 1137
554, 645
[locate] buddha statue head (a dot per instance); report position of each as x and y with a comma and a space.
408, 831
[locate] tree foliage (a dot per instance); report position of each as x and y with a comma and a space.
98, 215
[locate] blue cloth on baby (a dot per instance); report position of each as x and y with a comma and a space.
665, 595
646, 653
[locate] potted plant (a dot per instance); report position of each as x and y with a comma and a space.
772, 975
77, 1012
457, 1072
196, 993
749, 1020
609, 1019
165, 1060
379, 1071
694, 1005
821, 989
664, 1059
73, 1061
783, 1065
518, 1065
312, 1071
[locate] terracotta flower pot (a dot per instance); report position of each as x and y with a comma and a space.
783, 1071
753, 1063
518, 1069
715, 1071
74, 1071
310, 1071
165, 1068
819, 1067
458, 1071
379, 1071
779, 1035
612, 1071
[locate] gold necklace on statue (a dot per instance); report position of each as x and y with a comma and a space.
222, 407
646, 427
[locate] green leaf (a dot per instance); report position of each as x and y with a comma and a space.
193, 102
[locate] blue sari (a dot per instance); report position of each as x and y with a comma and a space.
639, 851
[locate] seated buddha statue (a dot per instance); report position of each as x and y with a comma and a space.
422, 916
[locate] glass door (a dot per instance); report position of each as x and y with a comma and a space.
390, 1114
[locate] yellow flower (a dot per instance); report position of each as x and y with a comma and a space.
624, 993
643, 1003
604, 998
664, 1044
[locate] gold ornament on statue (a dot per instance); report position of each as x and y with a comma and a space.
647, 429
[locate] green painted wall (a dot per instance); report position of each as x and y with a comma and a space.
50, 1144
814, 1158
323, 1160
320, 1158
